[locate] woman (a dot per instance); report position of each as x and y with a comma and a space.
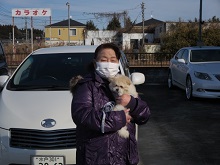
98, 142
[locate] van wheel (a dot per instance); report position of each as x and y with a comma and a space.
189, 88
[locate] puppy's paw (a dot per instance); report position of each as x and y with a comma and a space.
123, 132
119, 107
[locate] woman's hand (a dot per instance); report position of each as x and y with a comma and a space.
128, 117
123, 99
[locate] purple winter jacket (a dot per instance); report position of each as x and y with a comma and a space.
93, 146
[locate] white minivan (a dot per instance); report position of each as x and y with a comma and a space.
36, 127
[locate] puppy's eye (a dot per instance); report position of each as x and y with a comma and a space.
121, 86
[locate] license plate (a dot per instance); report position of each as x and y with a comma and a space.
47, 160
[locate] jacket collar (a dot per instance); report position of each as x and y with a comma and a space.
94, 77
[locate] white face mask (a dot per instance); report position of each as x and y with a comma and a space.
107, 69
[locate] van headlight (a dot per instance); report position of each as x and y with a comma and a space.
203, 76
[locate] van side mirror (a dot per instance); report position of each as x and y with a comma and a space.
137, 78
3, 80
181, 61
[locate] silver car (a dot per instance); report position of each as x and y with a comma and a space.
197, 71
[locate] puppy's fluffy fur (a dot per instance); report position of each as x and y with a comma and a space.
74, 80
120, 85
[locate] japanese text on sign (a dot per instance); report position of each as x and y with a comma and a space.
31, 12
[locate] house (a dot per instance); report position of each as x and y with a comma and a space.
126, 40
133, 38
97, 37
149, 25
57, 33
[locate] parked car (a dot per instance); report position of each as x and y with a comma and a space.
35, 106
3, 63
197, 71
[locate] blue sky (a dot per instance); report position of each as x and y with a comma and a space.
81, 10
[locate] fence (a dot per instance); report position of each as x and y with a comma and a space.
149, 59
14, 60
135, 59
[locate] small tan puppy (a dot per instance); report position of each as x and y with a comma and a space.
120, 85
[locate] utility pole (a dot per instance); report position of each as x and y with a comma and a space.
26, 35
125, 18
32, 35
142, 8
200, 42
68, 4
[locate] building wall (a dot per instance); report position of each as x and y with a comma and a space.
152, 48
127, 37
163, 28
52, 36
98, 37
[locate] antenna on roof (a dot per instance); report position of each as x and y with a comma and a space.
151, 15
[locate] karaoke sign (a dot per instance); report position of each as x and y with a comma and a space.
31, 12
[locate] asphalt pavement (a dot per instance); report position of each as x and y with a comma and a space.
179, 132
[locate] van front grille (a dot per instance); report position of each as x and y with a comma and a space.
43, 140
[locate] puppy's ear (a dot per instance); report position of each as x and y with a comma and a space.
128, 82
110, 79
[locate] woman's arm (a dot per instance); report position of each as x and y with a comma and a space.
84, 112
139, 110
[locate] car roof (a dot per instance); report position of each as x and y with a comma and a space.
201, 47
67, 49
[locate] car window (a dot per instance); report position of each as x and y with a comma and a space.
125, 65
1, 53
3, 63
55, 69
51, 69
179, 54
185, 55
209, 55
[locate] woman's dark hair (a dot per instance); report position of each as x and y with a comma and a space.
101, 47
108, 45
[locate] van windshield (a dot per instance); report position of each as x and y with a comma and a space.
50, 71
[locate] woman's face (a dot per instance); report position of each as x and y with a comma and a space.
107, 55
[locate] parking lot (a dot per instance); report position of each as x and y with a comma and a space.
179, 132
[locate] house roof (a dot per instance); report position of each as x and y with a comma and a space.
149, 22
65, 23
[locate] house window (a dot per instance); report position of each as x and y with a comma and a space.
72, 32
59, 32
